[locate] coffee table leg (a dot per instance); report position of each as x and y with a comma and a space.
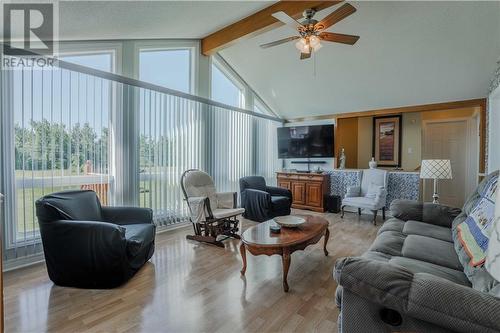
286, 266
244, 257
327, 237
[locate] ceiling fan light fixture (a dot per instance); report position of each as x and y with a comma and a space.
314, 41
317, 47
302, 45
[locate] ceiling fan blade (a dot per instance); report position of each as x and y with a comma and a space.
339, 38
337, 16
285, 18
278, 42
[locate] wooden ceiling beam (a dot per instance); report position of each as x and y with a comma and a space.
257, 23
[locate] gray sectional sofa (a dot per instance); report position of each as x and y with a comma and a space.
416, 276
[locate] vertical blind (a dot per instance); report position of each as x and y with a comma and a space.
67, 128
56, 133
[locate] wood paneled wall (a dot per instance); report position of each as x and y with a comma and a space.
346, 136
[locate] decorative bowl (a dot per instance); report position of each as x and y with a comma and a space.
289, 221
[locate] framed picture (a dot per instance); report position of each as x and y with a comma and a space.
387, 135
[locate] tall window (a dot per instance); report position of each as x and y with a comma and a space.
60, 128
167, 68
101, 61
225, 88
170, 132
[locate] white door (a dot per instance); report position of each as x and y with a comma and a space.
447, 140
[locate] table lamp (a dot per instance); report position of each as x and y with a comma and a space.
435, 169
493, 255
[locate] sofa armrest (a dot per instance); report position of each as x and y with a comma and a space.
420, 295
127, 215
425, 212
262, 196
273, 190
226, 199
353, 191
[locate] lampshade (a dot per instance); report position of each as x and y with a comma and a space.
493, 255
436, 169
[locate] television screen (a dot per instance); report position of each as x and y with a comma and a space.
305, 141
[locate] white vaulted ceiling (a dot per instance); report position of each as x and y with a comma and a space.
409, 52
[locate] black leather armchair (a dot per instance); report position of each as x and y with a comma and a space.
89, 246
262, 202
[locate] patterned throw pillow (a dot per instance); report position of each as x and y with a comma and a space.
474, 232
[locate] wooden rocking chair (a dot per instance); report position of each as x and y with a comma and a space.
214, 215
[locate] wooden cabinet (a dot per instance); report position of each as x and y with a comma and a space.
308, 189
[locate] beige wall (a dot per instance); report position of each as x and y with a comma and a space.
412, 141
347, 138
411, 145
365, 133
411, 152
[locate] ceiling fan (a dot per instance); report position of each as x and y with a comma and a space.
311, 32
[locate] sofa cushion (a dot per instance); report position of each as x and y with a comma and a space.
378, 256
280, 202
392, 224
424, 211
389, 242
431, 250
418, 266
428, 230
361, 202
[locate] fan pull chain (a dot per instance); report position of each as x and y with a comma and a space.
314, 64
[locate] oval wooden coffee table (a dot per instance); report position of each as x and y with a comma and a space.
259, 240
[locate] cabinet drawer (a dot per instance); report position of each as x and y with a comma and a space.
287, 176
313, 178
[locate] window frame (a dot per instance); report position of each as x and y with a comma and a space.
258, 103
94, 48
170, 45
229, 73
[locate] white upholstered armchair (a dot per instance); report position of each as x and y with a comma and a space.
371, 194
213, 214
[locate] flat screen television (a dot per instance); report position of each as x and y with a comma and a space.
305, 141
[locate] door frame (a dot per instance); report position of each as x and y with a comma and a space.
472, 167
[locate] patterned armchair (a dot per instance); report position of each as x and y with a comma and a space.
371, 194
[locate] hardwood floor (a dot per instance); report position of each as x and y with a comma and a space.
194, 287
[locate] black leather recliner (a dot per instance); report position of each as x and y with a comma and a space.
262, 202
89, 246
